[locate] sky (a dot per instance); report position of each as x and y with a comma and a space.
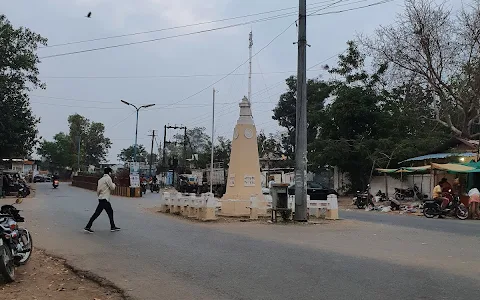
178, 74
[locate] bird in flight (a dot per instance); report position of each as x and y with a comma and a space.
89, 15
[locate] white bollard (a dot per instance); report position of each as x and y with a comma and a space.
164, 202
209, 208
332, 208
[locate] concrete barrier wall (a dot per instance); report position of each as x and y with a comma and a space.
90, 183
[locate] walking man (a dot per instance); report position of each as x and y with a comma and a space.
105, 185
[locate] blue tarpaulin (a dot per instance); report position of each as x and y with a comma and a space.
440, 156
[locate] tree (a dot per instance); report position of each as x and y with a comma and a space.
96, 145
127, 154
269, 147
441, 52
317, 92
57, 154
93, 143
18, 75
366, 125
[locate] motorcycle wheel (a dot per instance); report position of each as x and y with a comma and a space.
429, 212
29, 244
360, 204
462, 212
399, 196
7, 266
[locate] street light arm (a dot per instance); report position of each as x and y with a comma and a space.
147, 105
128, 103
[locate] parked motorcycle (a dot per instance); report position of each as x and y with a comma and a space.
363, 199
15, 242
381, 196
55, 183
432, 207
23, 189
401, 194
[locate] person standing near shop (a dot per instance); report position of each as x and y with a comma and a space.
474, 203
104, 188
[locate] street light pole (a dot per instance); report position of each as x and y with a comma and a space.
136, 125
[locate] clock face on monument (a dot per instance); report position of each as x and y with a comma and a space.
248, 133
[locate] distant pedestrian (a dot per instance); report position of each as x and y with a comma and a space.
271, 182
104, 187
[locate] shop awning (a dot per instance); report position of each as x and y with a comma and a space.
405, 170
455, 168
419, 169
440, 156
387, 170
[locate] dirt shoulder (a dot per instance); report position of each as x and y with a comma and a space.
47, 277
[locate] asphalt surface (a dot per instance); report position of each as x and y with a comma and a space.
446, 225
161, 257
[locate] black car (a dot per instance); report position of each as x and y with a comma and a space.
315, 190
39, 178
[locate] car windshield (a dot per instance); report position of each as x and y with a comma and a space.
314, 185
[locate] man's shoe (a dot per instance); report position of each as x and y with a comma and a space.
88, 230
115, 229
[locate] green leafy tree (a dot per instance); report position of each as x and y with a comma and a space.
18, 75
56, 153
127, 154
317, 92
365, 124
89, 135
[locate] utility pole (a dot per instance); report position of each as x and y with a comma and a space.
78, 153
185, 147
213, 139
301, 118
164, 161
250, 45
151, 151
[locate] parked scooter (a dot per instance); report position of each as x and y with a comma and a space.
363, 199
401, 194
15, 242
432, 207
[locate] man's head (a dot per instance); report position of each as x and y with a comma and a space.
107, 171
442, 181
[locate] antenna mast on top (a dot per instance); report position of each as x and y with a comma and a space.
250, 45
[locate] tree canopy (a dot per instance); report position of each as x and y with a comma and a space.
359, 123
127, 154
63, 151
439, 50
18, 75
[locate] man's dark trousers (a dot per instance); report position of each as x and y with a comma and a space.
103, 204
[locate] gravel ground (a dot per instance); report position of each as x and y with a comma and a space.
46, 277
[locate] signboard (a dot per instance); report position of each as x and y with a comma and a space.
134, 167
134, 180
249, 180
231, 180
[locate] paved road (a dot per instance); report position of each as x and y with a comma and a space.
161, 257
448, 225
